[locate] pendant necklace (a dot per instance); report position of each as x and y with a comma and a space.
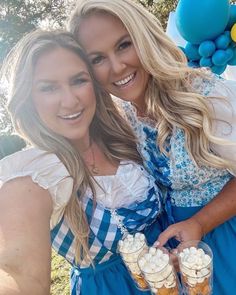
93, 166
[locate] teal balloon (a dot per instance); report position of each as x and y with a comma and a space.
232, 61
182, 48
207, 48
227, 33
222, 41
218, 69
232, 16
230, 53
198, 21
193, 64
191, 52
220, 57
205, 62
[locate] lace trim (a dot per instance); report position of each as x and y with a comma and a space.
119, 222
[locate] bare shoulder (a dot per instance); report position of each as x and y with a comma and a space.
23, 192
25, 211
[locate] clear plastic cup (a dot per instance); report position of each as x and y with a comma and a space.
131, 261
196, 272
161, 279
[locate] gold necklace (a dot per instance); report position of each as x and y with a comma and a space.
93, 168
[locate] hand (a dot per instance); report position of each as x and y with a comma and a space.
183, 231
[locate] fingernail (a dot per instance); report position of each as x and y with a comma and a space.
157, 243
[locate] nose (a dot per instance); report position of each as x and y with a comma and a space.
69, 98
117, 65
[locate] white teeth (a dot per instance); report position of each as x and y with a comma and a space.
73, 116
124, 81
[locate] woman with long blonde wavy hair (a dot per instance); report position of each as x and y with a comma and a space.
80, 183
185, 119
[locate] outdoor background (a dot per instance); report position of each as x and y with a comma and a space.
17, 17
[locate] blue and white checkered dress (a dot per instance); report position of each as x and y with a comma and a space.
106, 228
129, 201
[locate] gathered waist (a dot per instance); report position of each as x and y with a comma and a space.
116, 259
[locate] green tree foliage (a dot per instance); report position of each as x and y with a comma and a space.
160, 8
18, 17
10, 144
5, 121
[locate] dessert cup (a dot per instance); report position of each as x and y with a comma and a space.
196, 265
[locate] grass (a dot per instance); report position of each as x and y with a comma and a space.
60, 275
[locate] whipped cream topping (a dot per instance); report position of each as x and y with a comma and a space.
130, 248
157, 269
195, 264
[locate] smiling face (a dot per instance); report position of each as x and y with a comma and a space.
113, 56
64, 96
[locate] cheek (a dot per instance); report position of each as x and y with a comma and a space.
134, 58
88, 98
44, 107
102, 74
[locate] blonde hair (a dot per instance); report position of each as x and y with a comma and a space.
108, 128
170, 98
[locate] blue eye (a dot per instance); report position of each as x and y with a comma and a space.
124, 45
47, 88
96, 60
78, 81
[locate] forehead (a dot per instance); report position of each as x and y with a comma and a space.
99, 31
58, 62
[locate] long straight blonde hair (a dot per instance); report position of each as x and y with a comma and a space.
170, 97
108, 128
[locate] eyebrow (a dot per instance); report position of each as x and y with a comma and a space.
116, 44
78, 75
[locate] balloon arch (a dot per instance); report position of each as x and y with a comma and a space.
207, 33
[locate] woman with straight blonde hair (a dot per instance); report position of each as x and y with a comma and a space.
80, 183
185, 119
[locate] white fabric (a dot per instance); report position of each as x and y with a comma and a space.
224, 111
46, 170
130, 184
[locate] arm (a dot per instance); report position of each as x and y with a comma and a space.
25, 248
216, 212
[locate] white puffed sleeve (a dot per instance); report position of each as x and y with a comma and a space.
224, 112
46, 170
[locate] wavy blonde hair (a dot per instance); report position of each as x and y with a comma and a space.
170, 97
108, 128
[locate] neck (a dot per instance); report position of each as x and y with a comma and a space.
140, 108
83, 145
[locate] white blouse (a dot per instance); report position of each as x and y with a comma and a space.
129, 185
224, 112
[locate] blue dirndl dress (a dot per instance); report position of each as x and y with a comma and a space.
188, 189
109, 276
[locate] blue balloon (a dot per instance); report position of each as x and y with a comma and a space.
230, 53
227, 33
218, 69
232, 16
232, 61
182, 48
222, 41
207, 48
193, 64
198, 21
191, 52
220, 57
205, 62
